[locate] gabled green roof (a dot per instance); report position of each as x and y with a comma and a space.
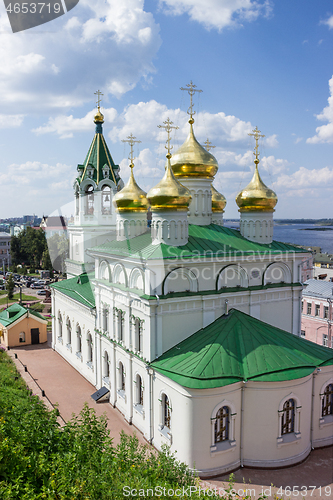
78, 288
237, 347
98, 156
15, 312
203, 241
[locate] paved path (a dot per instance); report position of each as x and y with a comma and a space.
64, 385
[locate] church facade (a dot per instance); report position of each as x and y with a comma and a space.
193, 327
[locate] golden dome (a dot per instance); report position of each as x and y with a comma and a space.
218, 201
131, 198
256, 197
169, 194
99, 118
192, 160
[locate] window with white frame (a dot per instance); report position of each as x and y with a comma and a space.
302, 333
106, 367
309, 308
106, 200
138, 330
327, 401
22, 337
317, 310
69, 332
139, 391
325, 312
289, 419
120, 324
59, 325
89, 349
78, 341
89, 195
223, 426
166, 411
325, 339
105, 320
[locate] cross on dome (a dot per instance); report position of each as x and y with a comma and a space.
191, 89
256, 135
131, 140
168, 126
208, 145
99, 94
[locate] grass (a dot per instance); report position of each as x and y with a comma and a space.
16, 298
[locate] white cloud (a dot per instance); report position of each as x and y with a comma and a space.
272, 141
304, 178
329, 22
11, 121
107, 41
218, 14
324, 133
64, 126
273, 165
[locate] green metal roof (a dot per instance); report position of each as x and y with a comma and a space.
237, 347
78, 288
15, 312
208, 241
98, 156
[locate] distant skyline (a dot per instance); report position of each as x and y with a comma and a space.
266, 64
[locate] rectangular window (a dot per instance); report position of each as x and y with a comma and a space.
317, 310
325, 339
325, 312
302, 333
309, 308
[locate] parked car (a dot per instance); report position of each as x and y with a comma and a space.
41, 292
36, 286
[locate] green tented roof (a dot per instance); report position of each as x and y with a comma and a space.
98, 156
15, 312
237, 347
78, 288
208, 241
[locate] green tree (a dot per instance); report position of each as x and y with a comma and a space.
10, 285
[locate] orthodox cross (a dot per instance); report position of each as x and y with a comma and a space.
131, 140
208, 145
191, 89
256, 135
168, 127
99, 94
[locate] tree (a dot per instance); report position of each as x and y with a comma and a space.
10, 285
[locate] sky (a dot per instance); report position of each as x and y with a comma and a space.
258, 63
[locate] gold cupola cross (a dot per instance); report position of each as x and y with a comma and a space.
131, 140
191, 89
99, 94
208, 145
168, 126
257, 136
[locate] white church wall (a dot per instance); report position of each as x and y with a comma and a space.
322, 425
262, 424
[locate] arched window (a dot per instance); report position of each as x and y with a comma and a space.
120, 325
106, 367
106, 200
121, 383
166, 411
90, 349
77, 201
59, 325
139, 390
69, 332
327, 401
78, 340
89, 195
105, 320
138, 334
222, 424
288, 417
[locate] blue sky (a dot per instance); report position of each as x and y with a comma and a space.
266, 64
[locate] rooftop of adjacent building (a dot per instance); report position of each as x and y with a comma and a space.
15, 312
318, 288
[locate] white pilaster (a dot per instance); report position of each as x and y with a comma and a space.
200, 208
131, 224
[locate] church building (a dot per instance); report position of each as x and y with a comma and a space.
193, 327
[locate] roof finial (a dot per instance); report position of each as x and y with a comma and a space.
99, 94
191, 89
208, 145
256, 135
168, 127
131, 140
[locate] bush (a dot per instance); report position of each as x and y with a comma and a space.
41, 460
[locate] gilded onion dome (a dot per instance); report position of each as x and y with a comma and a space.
131, 198
192, 160
256, 197
99, 117
218, 201
169, 194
